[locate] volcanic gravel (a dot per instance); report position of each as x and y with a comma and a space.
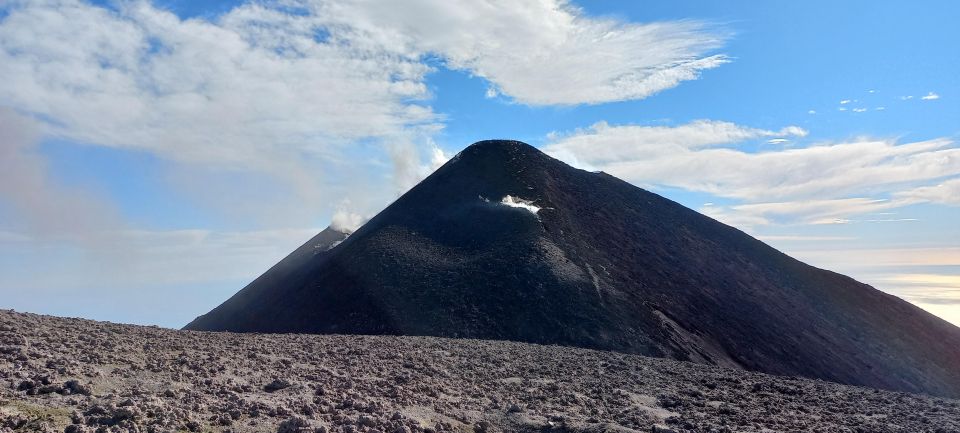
73, 375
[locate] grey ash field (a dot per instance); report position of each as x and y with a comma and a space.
72, 375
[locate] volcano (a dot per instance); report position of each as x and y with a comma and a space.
504, 242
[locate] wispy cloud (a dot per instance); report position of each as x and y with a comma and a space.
556, 54
930, 96
702, 156
606, 145
859, 260
947, 193
833, 211
814, 184
803, 238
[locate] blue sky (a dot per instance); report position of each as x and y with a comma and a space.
158, 156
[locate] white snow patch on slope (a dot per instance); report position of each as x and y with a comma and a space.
518, 202
335, 243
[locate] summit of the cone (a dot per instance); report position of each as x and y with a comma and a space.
502, 151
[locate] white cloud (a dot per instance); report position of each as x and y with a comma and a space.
814, 212
812, 112
287, 88
844, 102
259, 78
794, 131
931, 96
409, 167
859, 110
880, 108
906, 98
947, 193
603, 144
734, 217
697, 156
539, 53
347, 222
254, 83
253, 91
825, 182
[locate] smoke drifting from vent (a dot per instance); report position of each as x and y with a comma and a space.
345, 221
42, 206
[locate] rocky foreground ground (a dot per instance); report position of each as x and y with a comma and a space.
71, 375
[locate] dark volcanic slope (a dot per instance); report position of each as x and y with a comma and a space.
297, 263
603, 265
79, 376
